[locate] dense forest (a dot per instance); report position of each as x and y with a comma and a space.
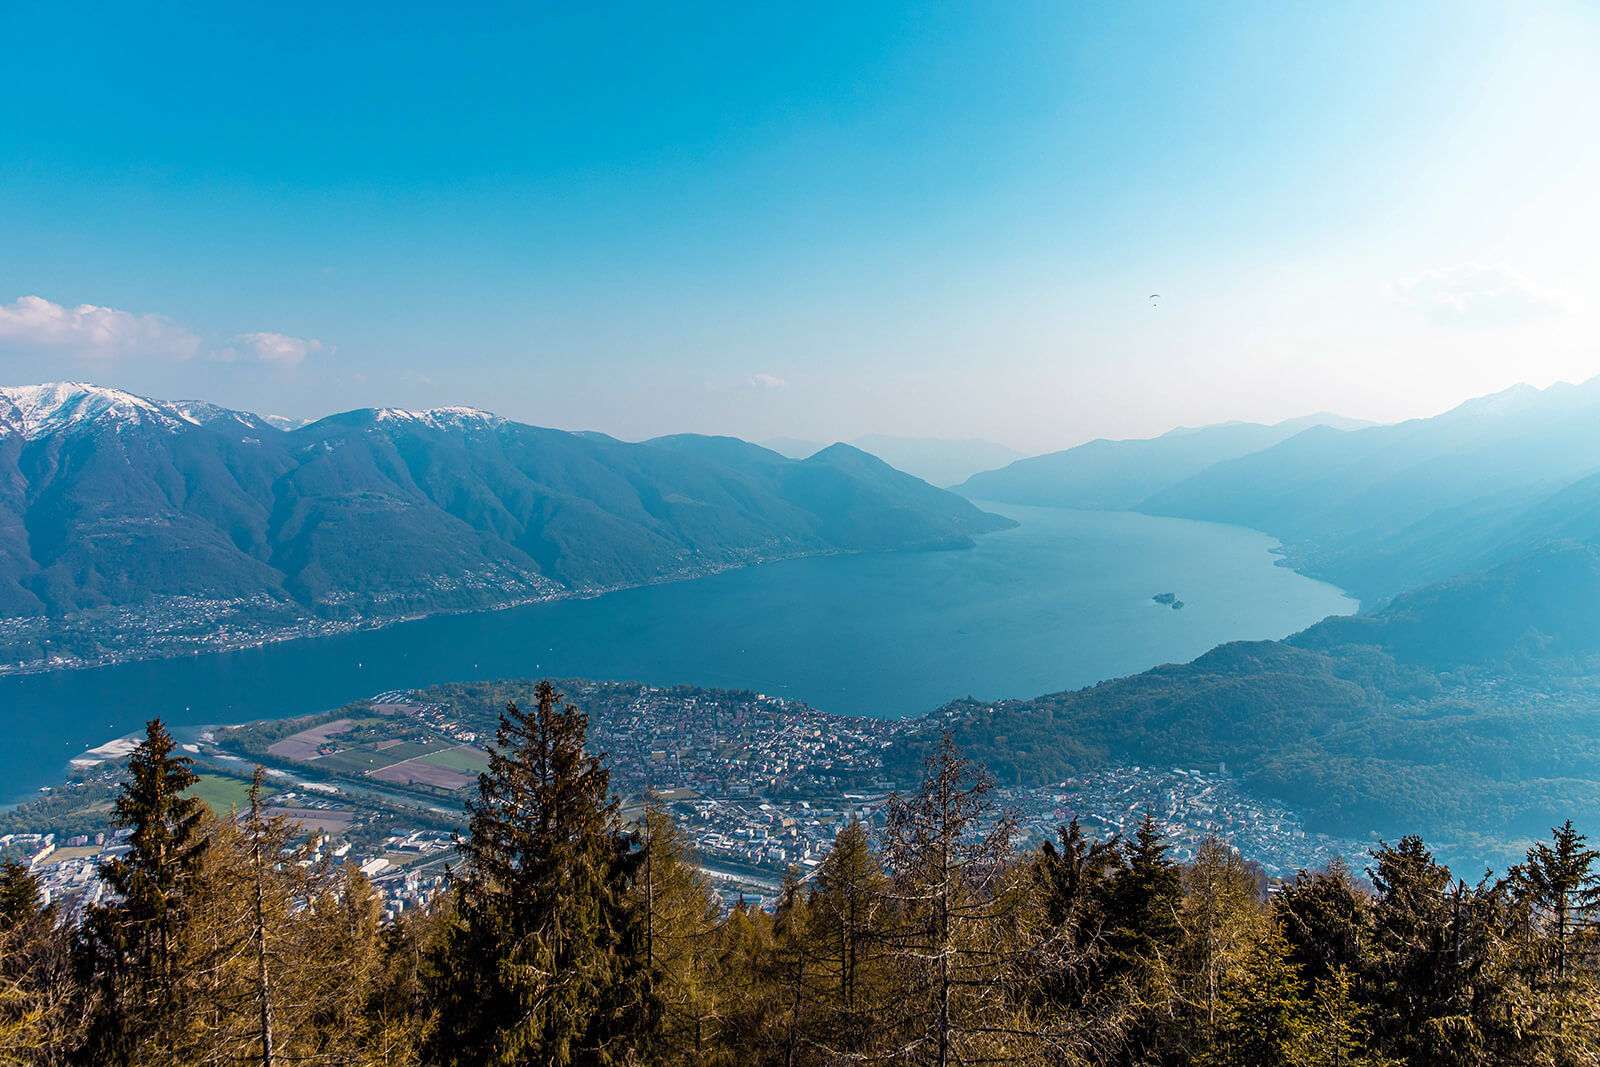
569, 937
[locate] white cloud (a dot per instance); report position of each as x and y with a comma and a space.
276, 348
88, 330
765, 381
1475, 294
103, 333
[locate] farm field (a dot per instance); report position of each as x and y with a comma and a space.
467, 759
363, 760
303, 745
423, 772
223, 793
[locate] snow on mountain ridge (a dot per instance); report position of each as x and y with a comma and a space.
35, 411
202, 413
444, 418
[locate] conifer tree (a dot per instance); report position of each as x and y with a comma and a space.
1078, 1015
1561, 884
679, 914
1147, 896
264, 840
793, 966
950, 850
134, 942
1327, 921
346, 913
273, 973
1441, 982
1070, 888
544, 960
20, 897
397, 1001
1410, 934
1074, 877
1264, 1015
847, 931
1222, 925
1143, 931
1337, 1031
755, 977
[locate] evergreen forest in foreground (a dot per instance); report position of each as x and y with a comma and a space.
569, 937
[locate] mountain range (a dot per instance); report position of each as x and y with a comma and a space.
1381, 510
110, 500
1376, 510
1119, 475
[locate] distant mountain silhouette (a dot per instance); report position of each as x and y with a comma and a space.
1119, 475
1383, 509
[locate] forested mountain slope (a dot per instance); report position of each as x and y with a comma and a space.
1466, 710
111, 500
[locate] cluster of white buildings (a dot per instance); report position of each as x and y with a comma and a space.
69, 869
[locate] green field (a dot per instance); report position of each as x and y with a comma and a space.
356, 760
223, 794
363, 759
466, 759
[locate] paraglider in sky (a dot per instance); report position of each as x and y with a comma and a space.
1155, 299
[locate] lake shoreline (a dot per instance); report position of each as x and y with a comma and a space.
1057, 604
336, 627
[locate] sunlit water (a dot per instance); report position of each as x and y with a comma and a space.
1061, 602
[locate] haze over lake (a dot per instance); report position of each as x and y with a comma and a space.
1060, 602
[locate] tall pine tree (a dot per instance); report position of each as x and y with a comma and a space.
544, 960
135, 942
1561, 883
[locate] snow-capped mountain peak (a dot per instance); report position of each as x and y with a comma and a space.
62, 407
445, 418
35, 411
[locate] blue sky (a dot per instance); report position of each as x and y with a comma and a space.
814, 220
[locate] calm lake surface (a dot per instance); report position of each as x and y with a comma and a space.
1061, 602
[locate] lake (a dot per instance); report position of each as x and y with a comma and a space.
1060, 602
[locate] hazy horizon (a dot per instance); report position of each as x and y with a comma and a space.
937, 222
799, 446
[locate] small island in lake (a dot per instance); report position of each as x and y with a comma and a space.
1169, 599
